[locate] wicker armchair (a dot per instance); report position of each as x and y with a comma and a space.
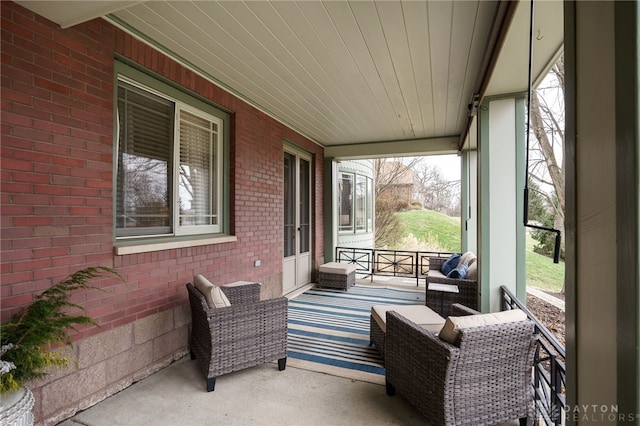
484, 379
247, 333
468, 295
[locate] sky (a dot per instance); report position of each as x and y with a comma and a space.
449, 165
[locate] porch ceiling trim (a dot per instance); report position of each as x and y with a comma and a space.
414, 147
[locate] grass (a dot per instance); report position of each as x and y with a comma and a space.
435, 231
542, 273
432, 231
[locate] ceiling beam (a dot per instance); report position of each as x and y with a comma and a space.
399, 148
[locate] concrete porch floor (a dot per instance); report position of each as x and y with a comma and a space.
262, 395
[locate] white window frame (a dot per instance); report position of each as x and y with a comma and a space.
177, 230
367, 212
217, 166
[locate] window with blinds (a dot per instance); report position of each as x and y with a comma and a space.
355, 203
198, 192
168, 166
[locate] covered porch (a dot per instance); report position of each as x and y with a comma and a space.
261, 395
316, 82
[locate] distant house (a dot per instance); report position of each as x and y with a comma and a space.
395, 181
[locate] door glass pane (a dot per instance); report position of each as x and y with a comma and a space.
289, 205
305, 214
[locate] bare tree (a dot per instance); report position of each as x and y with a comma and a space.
546, 155
389, 173
434, 191
547, 163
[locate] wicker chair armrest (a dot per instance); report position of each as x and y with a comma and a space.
460, 310
468, 294
418, 364
230, 316
246, 292
454, 281
244, 327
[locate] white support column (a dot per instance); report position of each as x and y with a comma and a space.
501, 245
603, 220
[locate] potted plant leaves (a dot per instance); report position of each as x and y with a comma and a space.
28, 341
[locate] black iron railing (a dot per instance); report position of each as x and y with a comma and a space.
549, 368
395, 263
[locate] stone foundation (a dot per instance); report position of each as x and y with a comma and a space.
111, 361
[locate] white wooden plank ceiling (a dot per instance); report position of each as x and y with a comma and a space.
340, 72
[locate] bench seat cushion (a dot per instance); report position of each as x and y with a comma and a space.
337, 268
420, 314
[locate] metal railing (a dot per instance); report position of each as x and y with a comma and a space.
395, 263
549, 368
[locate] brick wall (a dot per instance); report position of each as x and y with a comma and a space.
57, 205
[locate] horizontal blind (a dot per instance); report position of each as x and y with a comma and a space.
143, 201
197, 170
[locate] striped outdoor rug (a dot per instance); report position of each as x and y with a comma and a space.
329, 330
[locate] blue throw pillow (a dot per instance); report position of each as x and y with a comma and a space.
450, 264
459, 272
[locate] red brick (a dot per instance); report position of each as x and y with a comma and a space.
14, 96
17, 188
50, 190
79, 201
15, 28
31, 134
29, 177
30, 199
31, 265
14, 301
29, 89
29, 111
49, 43
51, 85
31, 221
33, 25
68, 162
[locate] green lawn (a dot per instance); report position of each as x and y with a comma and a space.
542, 273
433, 231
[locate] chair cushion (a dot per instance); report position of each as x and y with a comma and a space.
472, 272
337, 268
468, 258
450, 264
453, 325
212, 293
420, 314
459, 272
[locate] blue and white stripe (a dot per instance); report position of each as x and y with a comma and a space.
331, 327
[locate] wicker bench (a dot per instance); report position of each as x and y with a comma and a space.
337, 275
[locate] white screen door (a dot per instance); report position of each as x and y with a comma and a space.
297, 221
